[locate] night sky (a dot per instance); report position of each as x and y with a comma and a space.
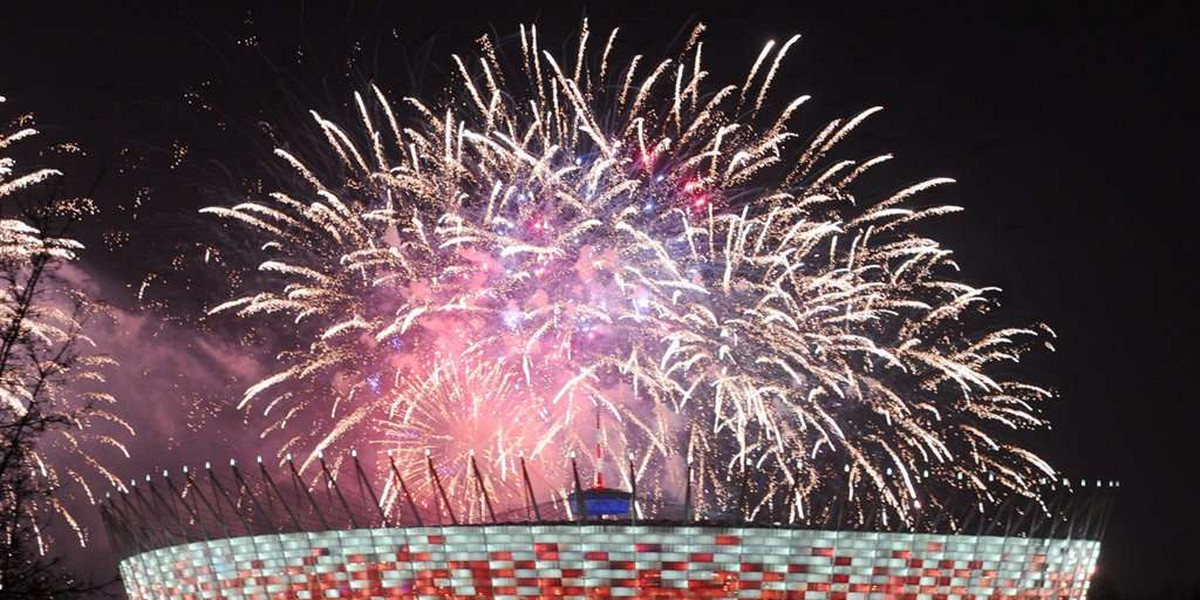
1065, 128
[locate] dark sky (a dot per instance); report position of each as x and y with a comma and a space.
1064, 125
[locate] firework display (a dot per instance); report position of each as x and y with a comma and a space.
603, 237
48, 376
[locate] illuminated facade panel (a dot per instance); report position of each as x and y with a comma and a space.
612, 561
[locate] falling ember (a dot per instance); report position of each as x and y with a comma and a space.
560, 238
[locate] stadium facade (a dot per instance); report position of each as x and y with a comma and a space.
214, 537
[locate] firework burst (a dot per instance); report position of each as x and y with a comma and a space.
463, 413
53, 417
628, 239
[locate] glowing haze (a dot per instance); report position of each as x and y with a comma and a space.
565, 239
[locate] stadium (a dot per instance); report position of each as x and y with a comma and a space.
267, 533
